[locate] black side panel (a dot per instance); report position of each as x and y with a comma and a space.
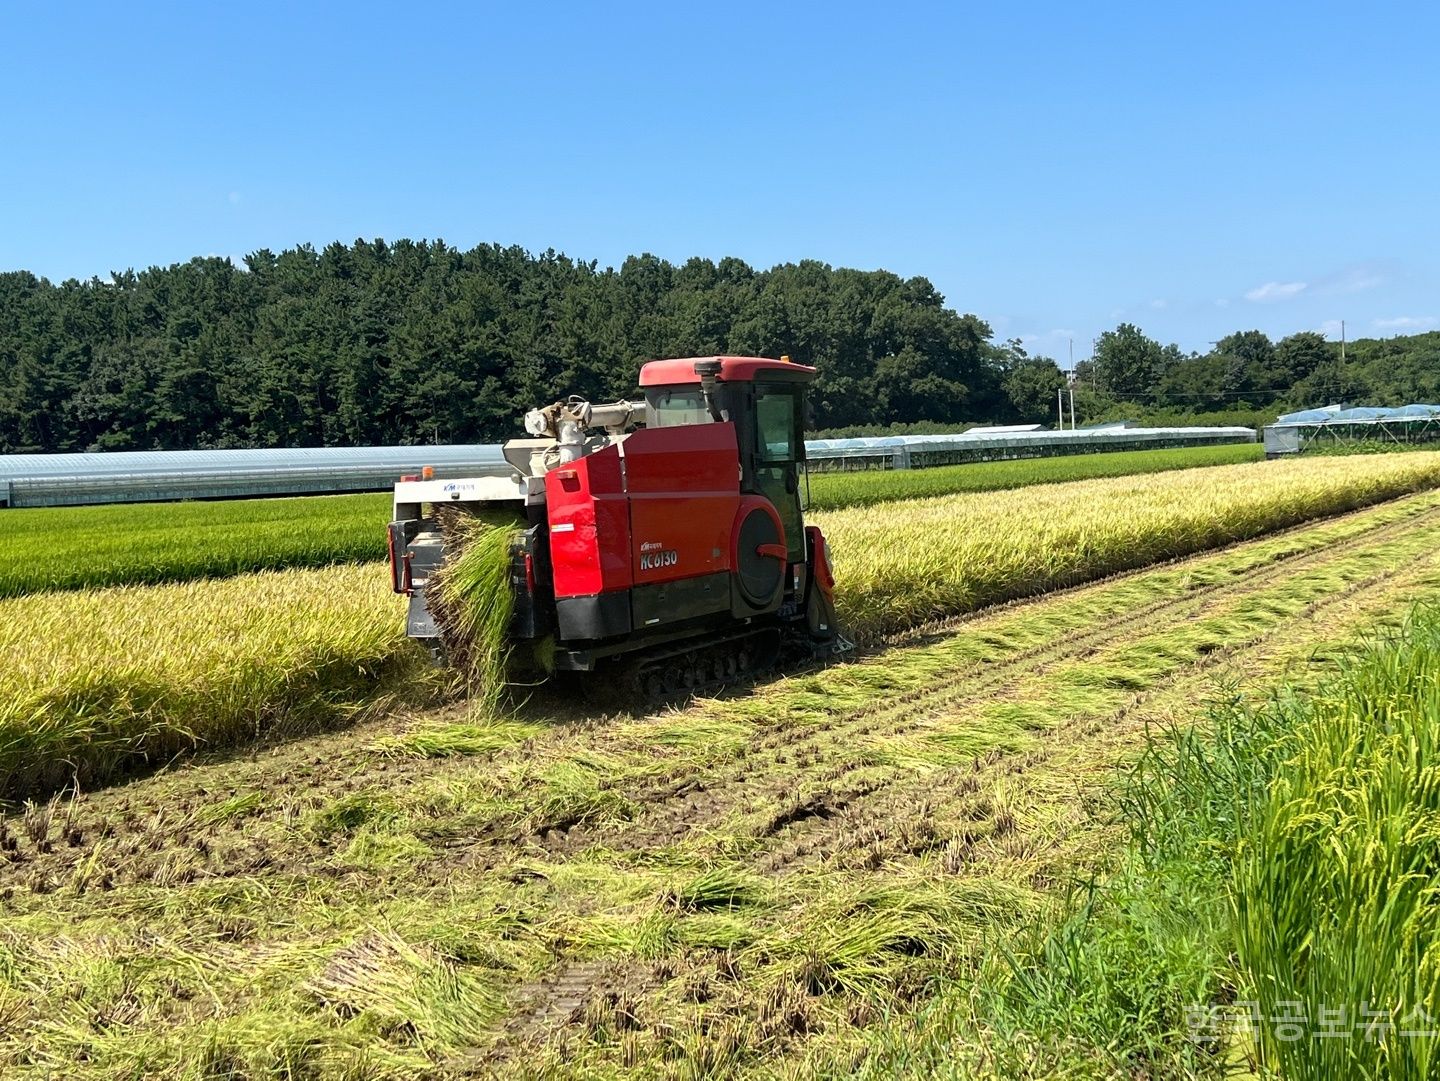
604, 615
672, 602
534, 615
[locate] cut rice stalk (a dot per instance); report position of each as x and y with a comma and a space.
471, 600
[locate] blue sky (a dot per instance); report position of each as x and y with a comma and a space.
1054, 168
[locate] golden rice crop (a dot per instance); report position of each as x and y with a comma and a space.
900, 564
96, 679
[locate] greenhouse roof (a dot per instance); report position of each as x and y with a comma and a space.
133, 476
1110, 436
1360, 414
141, 476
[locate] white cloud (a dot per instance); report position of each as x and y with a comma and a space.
1355, 279
1060, 334
1331, 328
1223, 302
1272, 291
1158, 304
1406, 322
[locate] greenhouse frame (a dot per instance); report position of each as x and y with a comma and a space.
1336, 427
994, 444
52, 480
49, 480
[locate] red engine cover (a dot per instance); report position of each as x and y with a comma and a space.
684, 486
589, 525
668, 516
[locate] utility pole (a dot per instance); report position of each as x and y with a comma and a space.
1070, 381
1060, 405
1341, 388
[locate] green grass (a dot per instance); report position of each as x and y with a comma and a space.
77, 547
1281, 865
832, 491
1334, 888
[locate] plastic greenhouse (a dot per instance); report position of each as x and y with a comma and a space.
985, 445
1339, 427
50, 480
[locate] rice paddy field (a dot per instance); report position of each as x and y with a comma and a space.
47, 548
79, 547
1068, 812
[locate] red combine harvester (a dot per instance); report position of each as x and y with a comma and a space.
677, 550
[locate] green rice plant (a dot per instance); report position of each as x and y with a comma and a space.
835, 491
901, 564
95, 681
482, 735
1336, 902
718, 888
79, 547
392, 983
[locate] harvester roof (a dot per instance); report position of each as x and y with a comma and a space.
669, 373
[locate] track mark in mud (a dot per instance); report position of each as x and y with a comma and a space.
779, 760
880, 824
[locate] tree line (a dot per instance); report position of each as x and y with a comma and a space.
1246, 375
418, 342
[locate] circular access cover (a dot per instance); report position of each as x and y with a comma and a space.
759, 576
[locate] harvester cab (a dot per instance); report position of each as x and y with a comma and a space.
667, 532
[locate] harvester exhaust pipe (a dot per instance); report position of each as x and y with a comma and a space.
707, 370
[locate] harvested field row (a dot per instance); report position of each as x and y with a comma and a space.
84, 547
748, 885
99, 680
1278, 853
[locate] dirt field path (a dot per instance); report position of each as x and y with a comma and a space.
741, 885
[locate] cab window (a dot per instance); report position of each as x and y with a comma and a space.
776, 424
680, 406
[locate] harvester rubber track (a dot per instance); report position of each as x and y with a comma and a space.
678, 672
